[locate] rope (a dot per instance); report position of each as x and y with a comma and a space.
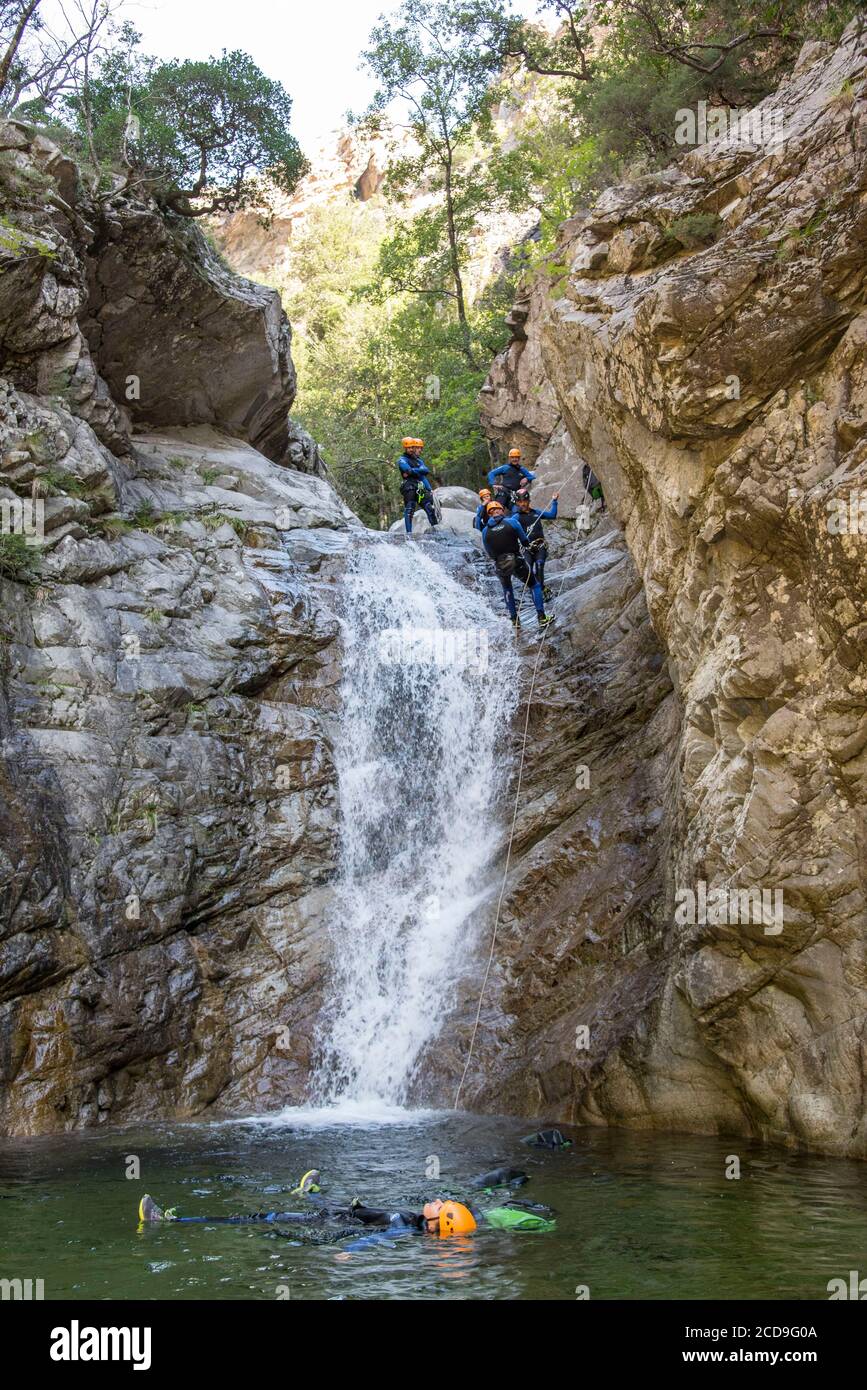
514, 820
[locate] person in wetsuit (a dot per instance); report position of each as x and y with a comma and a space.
444, 1217
506, 479
479, 518
415, 483
506, 542
531, 519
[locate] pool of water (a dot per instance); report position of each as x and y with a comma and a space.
638, 1216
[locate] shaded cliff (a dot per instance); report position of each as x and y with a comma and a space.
704, 350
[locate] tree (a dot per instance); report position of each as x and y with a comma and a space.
371, 370
725, 37
42, 61
422, 59
200, 135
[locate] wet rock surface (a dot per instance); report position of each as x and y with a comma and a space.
718, 391
167, 679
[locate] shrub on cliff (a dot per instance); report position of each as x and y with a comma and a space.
18, 560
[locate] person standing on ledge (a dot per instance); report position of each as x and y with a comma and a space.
415, 483
506, 479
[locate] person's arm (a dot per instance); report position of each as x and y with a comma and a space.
377, 1238
551, 513
495, 473
527, 474
518, 526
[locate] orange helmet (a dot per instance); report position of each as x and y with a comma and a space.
408, 443
485, 494
514, 453
456, 1219
419, 443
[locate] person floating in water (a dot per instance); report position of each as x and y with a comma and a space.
531, 519
441, 1217
506, 479
415, 484
506, 542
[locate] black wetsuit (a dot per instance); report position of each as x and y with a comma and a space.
532, 521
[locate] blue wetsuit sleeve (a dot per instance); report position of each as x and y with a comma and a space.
517, 526
379, 1237
551, 513
528, 475
495, 473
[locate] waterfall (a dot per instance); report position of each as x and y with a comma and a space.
429, 688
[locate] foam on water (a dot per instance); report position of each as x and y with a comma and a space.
361, 1112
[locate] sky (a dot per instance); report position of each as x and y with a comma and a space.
311, 46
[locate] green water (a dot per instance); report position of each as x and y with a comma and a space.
638, 1216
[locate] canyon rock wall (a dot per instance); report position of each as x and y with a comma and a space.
705, 352
167, 804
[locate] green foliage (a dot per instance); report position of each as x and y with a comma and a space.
373, 368
423, 58
18, 560
796, 241
212, 521
144, 518
389, 340
110, 527
695, 229
58, 480
24, 244
202, 133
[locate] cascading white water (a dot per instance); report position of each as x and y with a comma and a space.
428, 692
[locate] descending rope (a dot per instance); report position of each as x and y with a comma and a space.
514, 814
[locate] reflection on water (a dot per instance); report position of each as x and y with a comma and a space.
638, 1216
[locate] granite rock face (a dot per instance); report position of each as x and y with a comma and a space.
167, 680
717, 384
168, 805
127, 315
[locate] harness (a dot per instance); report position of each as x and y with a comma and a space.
535, 534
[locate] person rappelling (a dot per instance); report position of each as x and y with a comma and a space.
506, 479
531, 519
507, 544
415, 484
